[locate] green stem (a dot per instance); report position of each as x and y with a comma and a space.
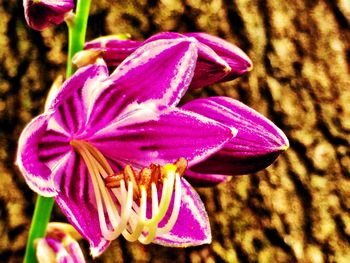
77, 32
41, 218
43, 206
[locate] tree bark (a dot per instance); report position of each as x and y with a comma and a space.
297, 210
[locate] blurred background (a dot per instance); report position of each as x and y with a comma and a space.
297, 210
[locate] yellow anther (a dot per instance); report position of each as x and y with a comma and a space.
181, 166
169, 168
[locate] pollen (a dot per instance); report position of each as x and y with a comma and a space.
133, 202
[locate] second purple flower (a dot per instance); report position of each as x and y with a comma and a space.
218, 60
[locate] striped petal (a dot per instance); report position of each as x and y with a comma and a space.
145, 136
238, 61
210, 67
74, 102
160, 71
35, 172
77, 201
257, 144
192, 227
157, 73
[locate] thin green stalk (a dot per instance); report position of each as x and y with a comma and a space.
77, 31
41, 218
43, 206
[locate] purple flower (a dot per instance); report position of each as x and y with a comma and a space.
106, 144
40, 14
218, 60
59, 245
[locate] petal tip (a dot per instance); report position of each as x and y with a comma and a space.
284, 142
234, 131
250, 67
284, 147
227, 69
96, 251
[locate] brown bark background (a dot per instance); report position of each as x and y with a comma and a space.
297, 210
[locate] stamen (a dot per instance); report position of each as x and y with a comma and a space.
141, 218
125, 210
159, 213
114, 180
176, 208
130, 174
99, 157
106, 201
93, 174
181, 166
152, 229
166, 193
121, 199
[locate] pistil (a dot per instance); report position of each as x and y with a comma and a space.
123, 199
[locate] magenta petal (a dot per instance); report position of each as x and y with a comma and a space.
75, 251
231, 163
157, 73
41, 14
73, 104
86, 77
160, 71
192, 227
205, 180
257, 144
239, 62
217, 60
44, 142
36, 173
49, 249
146, 137
77, 201
165, 35
210, 67
114, 50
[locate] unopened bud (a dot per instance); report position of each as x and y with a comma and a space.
86, 57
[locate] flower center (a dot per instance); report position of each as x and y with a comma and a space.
130, 203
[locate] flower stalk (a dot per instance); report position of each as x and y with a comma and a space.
41, 218
77, 24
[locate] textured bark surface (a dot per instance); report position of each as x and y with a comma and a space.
297, 210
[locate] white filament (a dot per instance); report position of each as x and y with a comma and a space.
176, 208
122, 215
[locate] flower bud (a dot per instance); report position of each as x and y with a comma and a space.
40, 14
59, 245
86, 57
